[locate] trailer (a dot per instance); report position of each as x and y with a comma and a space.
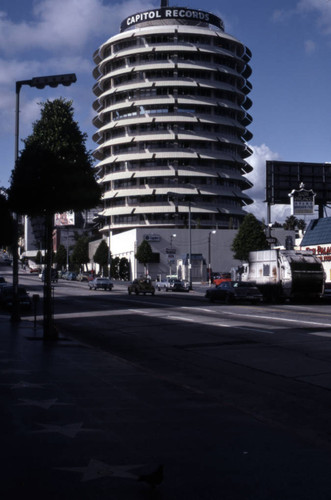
285, 274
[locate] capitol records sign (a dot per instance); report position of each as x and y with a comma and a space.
302, 201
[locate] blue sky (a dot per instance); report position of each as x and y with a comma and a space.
290, 41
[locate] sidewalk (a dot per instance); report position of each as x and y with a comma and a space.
63, 406
80, 423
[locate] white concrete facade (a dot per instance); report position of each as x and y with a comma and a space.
173, 249
171, 112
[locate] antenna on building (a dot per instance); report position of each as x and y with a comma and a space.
164, 3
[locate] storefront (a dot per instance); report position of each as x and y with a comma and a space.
317, 239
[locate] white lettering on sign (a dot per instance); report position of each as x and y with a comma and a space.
172, 13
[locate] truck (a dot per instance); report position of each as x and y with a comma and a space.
285, 274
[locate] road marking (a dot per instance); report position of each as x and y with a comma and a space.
320, 334
257, 316
182, 318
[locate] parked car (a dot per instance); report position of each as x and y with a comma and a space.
5, 260
218, 278
104, 283
141, 285
7, 294
85, 276
2, 281
179, 286
34, 270
235, 291
68, 275
174, 284
54, 275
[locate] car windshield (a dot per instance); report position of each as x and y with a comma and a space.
241, 284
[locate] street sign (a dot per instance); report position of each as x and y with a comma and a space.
302, 201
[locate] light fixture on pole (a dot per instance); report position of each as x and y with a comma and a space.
209, 256
38, 82
171, 257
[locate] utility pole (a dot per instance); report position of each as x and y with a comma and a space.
38, 82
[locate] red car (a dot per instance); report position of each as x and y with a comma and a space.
221, 277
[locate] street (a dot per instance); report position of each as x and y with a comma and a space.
245, 390
277, 356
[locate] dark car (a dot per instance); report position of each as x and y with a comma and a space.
179, 286
103, 283
54, 275
7, 295
69, 276
2, 281
142, 285
235, 291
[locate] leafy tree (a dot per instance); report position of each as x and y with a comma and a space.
6, 222
101, 255
54, 171
250, 237
79, 254
124, 269
115, 263
53, 174
61, 256
301, 224
290, 223
39, 258
144, 254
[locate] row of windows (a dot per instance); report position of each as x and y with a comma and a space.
233, 203
155, 57
171, 146
156, 92
164, 164
161, 181
164, 74
180, 109
169, 38
161, 127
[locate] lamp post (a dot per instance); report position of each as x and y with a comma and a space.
171, 238
190, 246
209, 256
39, 82
190, 203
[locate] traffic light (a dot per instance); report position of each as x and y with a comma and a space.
41, 82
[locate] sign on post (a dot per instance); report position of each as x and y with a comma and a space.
302, 201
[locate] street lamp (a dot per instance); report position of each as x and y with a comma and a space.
39, 82
209, 256
171, 238
190, 203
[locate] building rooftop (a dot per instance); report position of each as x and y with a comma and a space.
318, 232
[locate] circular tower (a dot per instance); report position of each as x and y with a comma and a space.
171, 112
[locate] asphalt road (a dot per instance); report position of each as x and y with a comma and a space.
253, 382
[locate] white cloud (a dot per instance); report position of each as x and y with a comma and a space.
322, 8
310, 47
66, 24
262, 154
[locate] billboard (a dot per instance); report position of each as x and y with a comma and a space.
178, 13
282, 177
302, 201
64, 219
